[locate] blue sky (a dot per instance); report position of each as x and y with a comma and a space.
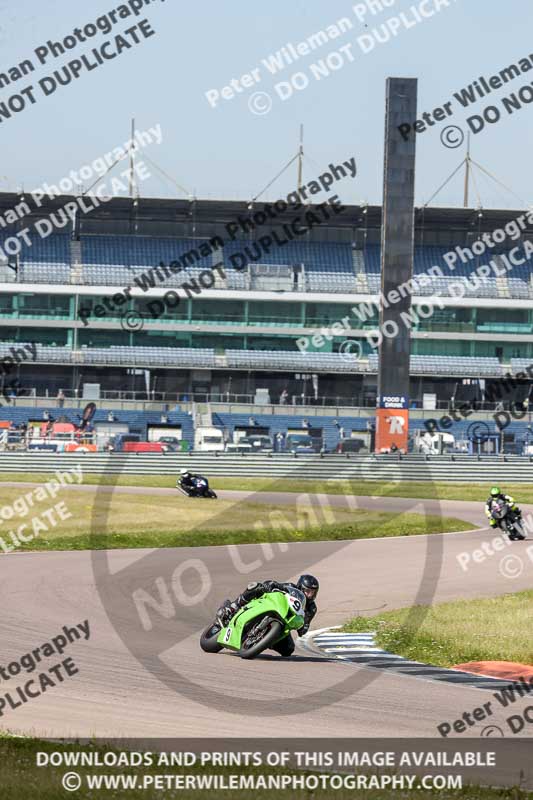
230, 153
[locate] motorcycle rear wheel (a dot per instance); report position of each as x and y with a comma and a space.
272, 634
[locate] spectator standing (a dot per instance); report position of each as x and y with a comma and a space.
60, 398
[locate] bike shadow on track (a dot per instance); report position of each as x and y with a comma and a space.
275, 657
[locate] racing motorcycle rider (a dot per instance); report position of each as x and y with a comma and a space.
188, 479
307, 584
497, 496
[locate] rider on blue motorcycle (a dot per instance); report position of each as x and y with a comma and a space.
188, 479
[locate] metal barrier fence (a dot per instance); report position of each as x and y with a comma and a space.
468, 469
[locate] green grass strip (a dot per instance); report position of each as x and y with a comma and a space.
368, 525
448, 634
523, 493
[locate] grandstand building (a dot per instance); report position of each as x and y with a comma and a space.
261, 321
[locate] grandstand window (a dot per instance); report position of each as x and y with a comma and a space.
161, 339
6, 304
179, 312
272, 313
44, 305
218, 311
448, 319
504, 320
11, 335
318, 314
271, 343
97, 310
56, 337
445, 347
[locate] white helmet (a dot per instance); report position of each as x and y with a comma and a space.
184, 471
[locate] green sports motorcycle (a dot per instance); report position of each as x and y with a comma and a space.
258, 625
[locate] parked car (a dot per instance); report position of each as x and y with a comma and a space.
350, 446
170, 443
238, 447
301, 443
258, 443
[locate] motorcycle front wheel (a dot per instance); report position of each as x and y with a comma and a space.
272, 633
208, 639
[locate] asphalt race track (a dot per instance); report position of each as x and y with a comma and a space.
115, 695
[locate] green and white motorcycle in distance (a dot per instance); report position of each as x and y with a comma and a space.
258, 625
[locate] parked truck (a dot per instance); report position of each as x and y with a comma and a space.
208, 439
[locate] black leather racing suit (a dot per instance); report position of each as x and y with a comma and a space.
189, 481
285, 647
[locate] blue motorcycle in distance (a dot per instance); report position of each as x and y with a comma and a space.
199, 487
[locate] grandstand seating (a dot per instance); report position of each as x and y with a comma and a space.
141, 251
466, 366
320, 256
149, 356
330, 267
299, 362
62, 355
520, 365
45, 261
54, 249
207, 358
51, 272
330, 282
519, 285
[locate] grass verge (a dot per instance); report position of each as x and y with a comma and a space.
90, 520
455, 633
523, 493
38, 519
21, 779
